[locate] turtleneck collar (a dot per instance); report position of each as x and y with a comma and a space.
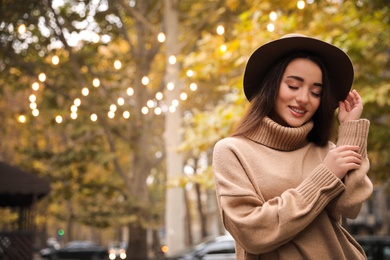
273, 135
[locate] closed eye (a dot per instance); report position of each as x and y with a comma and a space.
292, 87
316, 94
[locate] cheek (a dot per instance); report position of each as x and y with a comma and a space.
283, 95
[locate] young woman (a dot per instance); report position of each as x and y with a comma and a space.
282, 185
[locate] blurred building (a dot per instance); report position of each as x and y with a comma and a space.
19, 191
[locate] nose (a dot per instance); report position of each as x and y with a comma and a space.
303, 96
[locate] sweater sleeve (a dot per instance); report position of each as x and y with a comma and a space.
358, 186
260, 226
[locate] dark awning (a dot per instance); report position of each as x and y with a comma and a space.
19, 188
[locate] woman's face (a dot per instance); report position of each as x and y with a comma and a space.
299, 93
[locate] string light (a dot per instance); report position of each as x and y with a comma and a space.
94, 117
33, 105
270, 27
159, 96
145, 80
150, 103
126, 114
95, 37
172, 109
32, 98
42, 77
121, 101
193, 86
77, 102
22, 29
172, 59
220, 30
130, 91
170, 86
96, 82
145, 110
301, 4
273, 16
175, 103
85, 92
73, 115
111, 114
157, 111
183, 96
113, 108
223, 48
22, 118
190, 73
117, 64
59, 119
35, 86
161, 37
55, 60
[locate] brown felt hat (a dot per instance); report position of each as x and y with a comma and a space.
338, 64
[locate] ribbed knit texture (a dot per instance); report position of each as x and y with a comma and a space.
354, 133
279, 201
273, 135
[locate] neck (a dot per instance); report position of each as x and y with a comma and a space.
276, 136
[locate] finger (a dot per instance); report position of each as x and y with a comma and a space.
352, 166
351, 154
348, 106
353, 159
341, 105
347, 147
356, 97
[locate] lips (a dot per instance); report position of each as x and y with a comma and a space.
297, 110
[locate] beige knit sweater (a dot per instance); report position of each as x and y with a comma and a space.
279, 201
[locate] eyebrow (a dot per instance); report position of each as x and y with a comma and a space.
302, 80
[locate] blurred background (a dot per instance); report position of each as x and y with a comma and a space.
109, 111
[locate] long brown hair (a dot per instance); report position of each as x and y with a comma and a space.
263, 101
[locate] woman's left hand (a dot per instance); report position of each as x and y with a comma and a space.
351, 108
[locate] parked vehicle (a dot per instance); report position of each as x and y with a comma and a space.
217, 248
80, 250
52, 246
376, 247
117, 250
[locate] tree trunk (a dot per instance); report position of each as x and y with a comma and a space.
188, 220
137, 249
175, 208
202, 216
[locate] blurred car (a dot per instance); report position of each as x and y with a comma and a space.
217, 248
376, 247
52, 246
80, 250
117, 250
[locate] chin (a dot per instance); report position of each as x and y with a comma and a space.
296, 123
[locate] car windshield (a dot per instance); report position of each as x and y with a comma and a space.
209, 241
118, 244
80, 244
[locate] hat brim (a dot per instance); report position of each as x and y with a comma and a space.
338, 64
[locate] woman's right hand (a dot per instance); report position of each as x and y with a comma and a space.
342, 159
